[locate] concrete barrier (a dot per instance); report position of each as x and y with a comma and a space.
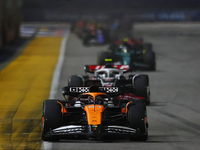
166, 28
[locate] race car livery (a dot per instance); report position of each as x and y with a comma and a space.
136, 85
137, 55
94, 115
92, 33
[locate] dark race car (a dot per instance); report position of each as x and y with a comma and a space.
94, 115
92, 33
96, 36
136, 54
135, 85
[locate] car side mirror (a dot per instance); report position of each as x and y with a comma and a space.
65, 90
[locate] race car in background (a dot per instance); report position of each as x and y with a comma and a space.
135, 85
135, 53
97, 36
92, 33
94, 115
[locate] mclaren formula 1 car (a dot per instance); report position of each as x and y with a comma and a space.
94, 115
136, 54
134, 85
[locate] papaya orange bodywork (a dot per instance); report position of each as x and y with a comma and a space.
94, 114
94, 94
42, 122
127, 106
94, 111
123, 110
63, 110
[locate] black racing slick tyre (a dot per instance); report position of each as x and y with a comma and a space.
137, 119
149, 58
89, 40
148, 46
85, 41
141, 86
51, 119
101, 58
75, 81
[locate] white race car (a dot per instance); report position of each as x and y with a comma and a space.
133, 86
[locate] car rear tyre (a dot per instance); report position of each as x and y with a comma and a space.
52, 119
149, 58
75, 81
136, 120
148, 46
141, 85
101, 58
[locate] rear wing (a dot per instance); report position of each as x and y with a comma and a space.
93, 68
75, 91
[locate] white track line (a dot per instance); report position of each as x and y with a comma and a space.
55, 81
57, 71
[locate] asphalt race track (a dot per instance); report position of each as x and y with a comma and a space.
174, 111
173, 115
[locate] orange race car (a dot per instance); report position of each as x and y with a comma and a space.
94, 115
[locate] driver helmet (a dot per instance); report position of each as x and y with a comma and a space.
111, 74
104, 75
123, 49
90, 99
98, 100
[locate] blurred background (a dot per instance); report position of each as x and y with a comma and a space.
14, 12
173, 28
105, 10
